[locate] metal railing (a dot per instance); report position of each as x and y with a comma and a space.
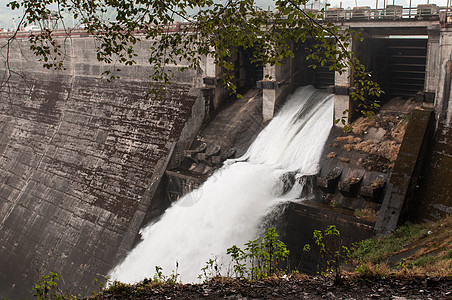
391, 12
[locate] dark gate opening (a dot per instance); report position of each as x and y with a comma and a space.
397, 64
319, 76
247, 73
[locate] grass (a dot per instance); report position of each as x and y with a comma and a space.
412, 249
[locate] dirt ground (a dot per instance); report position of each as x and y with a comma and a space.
352, 287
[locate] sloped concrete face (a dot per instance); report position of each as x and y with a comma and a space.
433, 199
80, 160
402, 183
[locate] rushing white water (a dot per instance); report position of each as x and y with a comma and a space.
227, 209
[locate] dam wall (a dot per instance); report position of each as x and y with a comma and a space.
80, 160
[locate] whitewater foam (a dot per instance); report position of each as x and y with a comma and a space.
228, 208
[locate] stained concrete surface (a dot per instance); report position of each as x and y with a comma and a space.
433, 195
79, 161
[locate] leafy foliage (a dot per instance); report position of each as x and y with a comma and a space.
47, 288
331, 246
208, 28
160, 278
261, 258
210, 270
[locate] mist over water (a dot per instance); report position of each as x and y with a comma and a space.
228, 208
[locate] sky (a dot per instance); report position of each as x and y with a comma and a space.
6, 15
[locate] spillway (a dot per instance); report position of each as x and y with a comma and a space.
229, 207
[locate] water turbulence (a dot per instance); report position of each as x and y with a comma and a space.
228, 208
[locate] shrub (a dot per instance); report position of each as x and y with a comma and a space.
331, 247
261, 258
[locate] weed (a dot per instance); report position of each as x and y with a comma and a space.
120, 288
160, 278
47, 288
423, 261
367, 269
238, 257
411, 249
367, 213
380, 248
211, 269
261, 258
102, 283
332, 249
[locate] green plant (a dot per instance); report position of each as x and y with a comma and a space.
332, 249
402, 264
211, 269
102, 283
261, 258
238, 256
448, 255
120, 288
423, 261
160, 278
47, 288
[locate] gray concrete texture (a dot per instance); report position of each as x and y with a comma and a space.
80, 159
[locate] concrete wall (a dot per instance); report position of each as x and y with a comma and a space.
80, 160
443, 99
433, 59
433, 198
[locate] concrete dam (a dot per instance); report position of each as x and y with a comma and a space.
86, 163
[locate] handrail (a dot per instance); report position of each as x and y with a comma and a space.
395, 12
391, 12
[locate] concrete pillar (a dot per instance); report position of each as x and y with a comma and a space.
268, 103
342, 84
212, 80
431, 67
269, 87
276, 86
443, 99
211, 69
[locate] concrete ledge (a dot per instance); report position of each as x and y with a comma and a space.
268, 84
210, 80
427, 97
340, 90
